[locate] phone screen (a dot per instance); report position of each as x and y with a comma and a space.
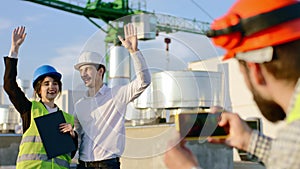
253, 124
197, 125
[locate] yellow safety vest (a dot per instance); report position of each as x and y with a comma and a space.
294, 114
32, 153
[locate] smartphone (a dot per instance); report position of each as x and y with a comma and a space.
254, 123
197, 126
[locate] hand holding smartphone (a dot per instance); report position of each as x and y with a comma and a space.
199, 125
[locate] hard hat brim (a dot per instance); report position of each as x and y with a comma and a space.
55, 75
77, 66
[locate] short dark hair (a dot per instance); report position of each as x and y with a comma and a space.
286, 62
98, 67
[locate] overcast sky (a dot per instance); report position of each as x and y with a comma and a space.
56, 37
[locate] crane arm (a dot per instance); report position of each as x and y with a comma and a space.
97, 9
168, 23
111, 11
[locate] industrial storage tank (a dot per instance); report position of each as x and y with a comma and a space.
9, 119
186, 89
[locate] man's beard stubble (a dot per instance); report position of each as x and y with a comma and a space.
270, 109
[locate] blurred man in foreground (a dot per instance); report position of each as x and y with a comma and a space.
264, 37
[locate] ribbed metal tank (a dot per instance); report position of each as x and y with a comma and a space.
119, 66
186, 89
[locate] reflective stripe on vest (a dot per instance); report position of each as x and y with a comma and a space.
43, 157
36, 139
32, 151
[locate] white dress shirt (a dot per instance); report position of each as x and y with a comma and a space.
99, 120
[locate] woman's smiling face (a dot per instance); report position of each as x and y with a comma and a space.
49, 89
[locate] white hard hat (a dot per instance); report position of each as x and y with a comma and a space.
88, 57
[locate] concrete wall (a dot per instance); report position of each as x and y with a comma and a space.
142, 152
146, 145
9, 148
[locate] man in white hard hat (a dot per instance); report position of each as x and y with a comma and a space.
100, 114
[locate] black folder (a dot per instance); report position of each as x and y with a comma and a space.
55, 142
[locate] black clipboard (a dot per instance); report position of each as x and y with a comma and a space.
55, 142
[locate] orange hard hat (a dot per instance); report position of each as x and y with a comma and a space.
255, 24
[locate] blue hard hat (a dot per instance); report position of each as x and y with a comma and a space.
45, 70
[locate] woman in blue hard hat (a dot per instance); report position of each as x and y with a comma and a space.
47, 86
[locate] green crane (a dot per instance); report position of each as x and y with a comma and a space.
106, 11
113, 14
111, 11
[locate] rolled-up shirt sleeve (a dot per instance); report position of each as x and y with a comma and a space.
260, 145
143, 79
